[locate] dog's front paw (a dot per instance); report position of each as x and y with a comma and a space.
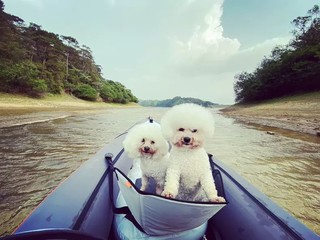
167, 194
218, 199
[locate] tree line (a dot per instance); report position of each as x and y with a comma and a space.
176, 101
290, 69
35, 62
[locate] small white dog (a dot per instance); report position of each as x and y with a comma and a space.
189, 174
145, 143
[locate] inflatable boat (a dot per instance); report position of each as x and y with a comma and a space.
83, 207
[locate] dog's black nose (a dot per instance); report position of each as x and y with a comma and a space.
146, 149
186, 139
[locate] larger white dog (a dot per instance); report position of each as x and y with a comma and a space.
145, 144
189, 174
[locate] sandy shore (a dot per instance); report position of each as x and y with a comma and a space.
16, 110
298, 113
52, 102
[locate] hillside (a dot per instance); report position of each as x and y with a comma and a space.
175, 101
35, 62
300, 113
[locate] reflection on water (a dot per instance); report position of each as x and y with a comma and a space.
36, 157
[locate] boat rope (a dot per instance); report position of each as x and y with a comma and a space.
83, 214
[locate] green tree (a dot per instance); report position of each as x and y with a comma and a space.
1, 6
85, 92
22, 78
107, 92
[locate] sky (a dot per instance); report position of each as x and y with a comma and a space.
160, 49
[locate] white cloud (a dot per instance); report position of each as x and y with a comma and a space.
208, 51
248, 59
267, 45
207, 45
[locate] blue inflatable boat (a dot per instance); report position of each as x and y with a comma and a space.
81, 207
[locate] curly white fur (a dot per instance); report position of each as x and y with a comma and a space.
189, 174
145, 143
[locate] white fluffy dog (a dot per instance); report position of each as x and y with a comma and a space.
145, 143
189, 174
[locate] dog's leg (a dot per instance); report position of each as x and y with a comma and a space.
144, 182
209, 187
172, 183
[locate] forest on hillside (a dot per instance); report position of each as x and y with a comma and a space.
35, 62
290, 69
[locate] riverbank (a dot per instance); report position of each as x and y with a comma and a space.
18, 110
299, 113
53, 102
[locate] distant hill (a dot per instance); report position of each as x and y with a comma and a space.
175, 101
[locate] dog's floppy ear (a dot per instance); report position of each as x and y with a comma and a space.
168, 122
129, 143
208, 123
164, 148
126, 144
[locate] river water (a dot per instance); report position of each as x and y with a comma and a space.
40, 149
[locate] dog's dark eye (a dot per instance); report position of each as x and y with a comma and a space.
181, 129
143, 140
194, 130
152, 142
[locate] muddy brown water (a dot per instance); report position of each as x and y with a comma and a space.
40, 149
